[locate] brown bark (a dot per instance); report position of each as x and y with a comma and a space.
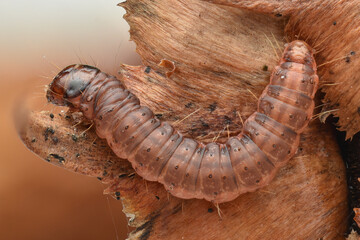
223, 58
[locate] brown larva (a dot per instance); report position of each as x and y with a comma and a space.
187, 168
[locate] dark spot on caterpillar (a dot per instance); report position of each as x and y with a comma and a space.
188, 105
352, 53
117, 198
51, 115
278, 15
74, 138
148, 69
158, 115
77, 155
105, 173
117, 194
33, 140
265, 68
169, 148
210, 210
334, 23
347, 59
99, 178
157, 197
212, 107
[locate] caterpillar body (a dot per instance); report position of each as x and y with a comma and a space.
187, 168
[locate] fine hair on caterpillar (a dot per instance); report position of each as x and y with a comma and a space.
188, 168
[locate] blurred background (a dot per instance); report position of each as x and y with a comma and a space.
37, 199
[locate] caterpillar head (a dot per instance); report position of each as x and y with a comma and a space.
69, 84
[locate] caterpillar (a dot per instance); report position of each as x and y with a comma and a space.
187, 168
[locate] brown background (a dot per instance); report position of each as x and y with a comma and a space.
38, 200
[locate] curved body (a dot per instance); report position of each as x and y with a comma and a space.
187, 168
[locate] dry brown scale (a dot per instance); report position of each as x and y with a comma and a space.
187, 168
